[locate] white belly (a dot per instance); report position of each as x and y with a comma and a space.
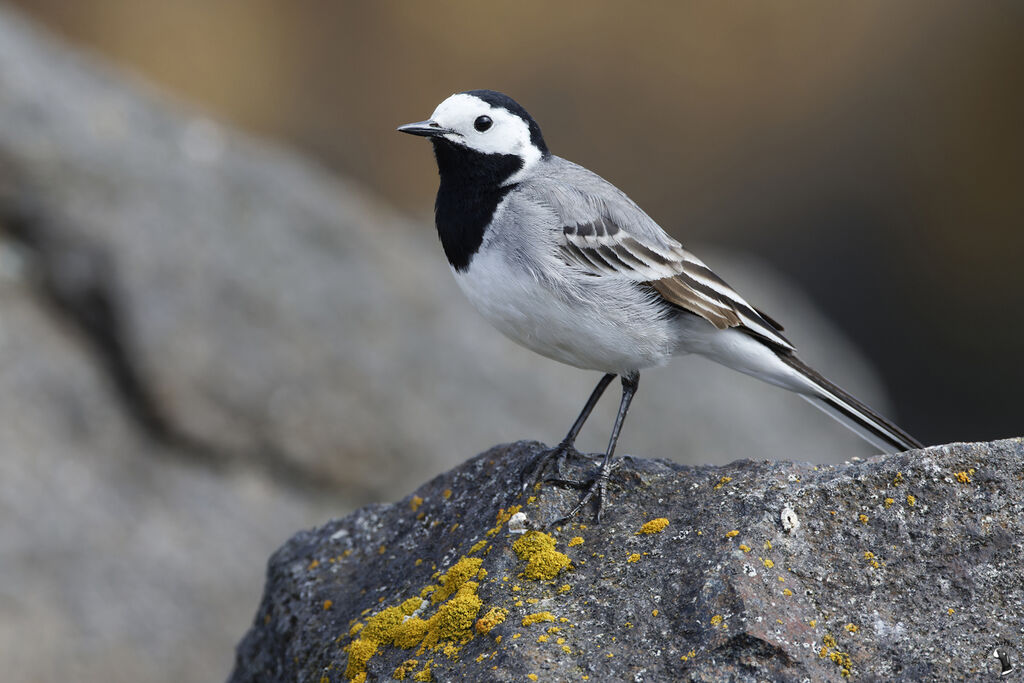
592, 323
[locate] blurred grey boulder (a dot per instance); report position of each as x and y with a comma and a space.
202, 336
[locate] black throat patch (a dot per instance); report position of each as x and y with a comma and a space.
470, 191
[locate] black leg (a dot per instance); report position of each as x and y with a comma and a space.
597, 487
566, 446
595, 396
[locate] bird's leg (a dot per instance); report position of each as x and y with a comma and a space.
533, 474
630, 383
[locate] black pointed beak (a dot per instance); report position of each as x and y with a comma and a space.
427, 129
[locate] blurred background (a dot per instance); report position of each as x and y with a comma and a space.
871, 152
198, 353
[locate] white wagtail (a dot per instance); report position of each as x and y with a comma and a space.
564, 263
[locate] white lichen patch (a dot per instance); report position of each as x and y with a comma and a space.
518, 524
790, 521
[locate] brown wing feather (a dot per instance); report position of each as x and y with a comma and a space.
601, 247
678, 293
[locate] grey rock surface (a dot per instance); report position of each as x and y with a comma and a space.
899, 568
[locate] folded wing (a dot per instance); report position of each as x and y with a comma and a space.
604, 247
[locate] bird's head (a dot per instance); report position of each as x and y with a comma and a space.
485, 122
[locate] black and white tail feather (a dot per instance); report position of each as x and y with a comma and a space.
854, 414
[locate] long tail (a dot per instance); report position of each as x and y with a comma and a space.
854, 414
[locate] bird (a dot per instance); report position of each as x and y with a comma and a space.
564, 263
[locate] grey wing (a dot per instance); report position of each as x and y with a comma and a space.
607, 235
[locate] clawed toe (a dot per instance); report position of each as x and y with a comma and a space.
535, 473
595, 488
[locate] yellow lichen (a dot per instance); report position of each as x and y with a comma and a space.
404, 669
415, 502
542, 638
360, 678
951, 610
635, 557
503, 517
495, 616
536, 618
911, 500
744, 547
889, 502
786, 591
716, 620
767, 545
543, 561
455, 618
898, 479
830, 650
359, 653
852, 628
564, 588
863, 519
411, 605
963, 477
313, 565
722, 482
453, 579
730, 534
477, 547
328, 604
424, 675
575, 541
768, 563
654, 526
654, 612
532, 677
410, 633
381, 626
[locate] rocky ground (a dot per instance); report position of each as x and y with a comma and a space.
899, 568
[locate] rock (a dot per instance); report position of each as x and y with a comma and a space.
903, 567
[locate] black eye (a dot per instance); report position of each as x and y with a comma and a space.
482, 123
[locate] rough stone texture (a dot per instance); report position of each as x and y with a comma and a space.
903, 567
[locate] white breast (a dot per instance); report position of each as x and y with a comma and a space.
593, 323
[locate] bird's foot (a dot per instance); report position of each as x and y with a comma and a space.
596, 488
535, 473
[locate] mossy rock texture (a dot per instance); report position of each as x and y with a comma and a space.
900, 567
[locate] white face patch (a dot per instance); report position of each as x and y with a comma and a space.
508, 133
